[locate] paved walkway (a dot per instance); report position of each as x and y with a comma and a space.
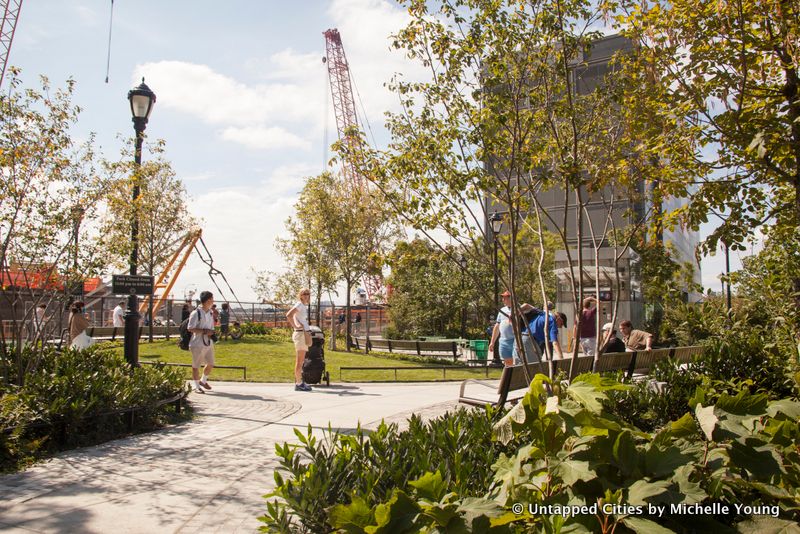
207, 475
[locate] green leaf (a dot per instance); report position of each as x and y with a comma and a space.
707, 420
762, 461
660, 462
767, 525
588, 395
571, 471
641, 490
429, 486
352, 518
788, 407
397, 515
645, 526
626, 454
744, 403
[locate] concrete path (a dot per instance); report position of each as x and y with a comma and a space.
207, 475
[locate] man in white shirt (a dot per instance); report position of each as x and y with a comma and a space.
201, 325
118, 319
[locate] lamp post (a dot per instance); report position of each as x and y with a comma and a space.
141, 99
496, 221
77, 217
462, 261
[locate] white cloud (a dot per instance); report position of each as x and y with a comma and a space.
240, 227
264, 138
200, 91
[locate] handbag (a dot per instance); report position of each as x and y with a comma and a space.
82, 341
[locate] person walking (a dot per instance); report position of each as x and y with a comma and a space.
224, 320
504, 331
588, 328
118, 317
201, 325
78, 323
635, 339
298, 321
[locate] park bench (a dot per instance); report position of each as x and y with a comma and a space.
408, 346
513, 378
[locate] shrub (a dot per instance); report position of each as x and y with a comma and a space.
319, 474
567, 451
67, 401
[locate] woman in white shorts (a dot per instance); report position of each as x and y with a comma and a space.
298, 321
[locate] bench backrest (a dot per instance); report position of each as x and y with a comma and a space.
379, 344
685, 354
583, 364
448, 347
404, 344
614, 361
515, 376
646, 360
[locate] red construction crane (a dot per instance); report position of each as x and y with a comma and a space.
344, 105
10, 10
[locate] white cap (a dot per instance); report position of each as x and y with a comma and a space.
608, 326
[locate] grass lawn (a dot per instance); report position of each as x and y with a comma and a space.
273, 361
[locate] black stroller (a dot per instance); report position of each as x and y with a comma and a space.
314, 365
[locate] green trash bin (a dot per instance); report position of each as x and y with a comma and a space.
481, 348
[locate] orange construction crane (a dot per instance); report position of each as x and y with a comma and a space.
164, 284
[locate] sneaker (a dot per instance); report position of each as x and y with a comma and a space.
302, 387
205, 385
199, 390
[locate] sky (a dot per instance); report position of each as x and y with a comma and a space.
242, 101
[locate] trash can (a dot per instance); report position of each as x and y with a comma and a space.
481, 348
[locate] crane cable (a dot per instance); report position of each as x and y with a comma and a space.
213, 271
110, 25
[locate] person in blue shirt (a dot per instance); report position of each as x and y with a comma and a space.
536, 320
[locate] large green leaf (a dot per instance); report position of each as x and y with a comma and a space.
640, 491
707, 420
626, 454
744, 403
756, 458
788, 407
352, 518
767, 525
430, 486
645, 526
588, 395
662, 461
396, 515
571, 471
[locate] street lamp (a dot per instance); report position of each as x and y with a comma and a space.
496, 220
141, 99
462, 262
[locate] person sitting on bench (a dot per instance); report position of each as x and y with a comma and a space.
611, 343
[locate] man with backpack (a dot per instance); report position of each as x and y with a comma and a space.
201, 326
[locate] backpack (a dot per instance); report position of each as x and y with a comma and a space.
185, 335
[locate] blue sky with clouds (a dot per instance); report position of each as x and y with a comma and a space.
241, 99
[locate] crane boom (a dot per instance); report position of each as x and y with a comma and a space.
10, 10
344, 104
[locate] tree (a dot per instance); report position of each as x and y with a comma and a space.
722, 87
339, 233
47, 186
162, 210
500, 121
431, 295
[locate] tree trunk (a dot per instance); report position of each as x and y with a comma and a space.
319, 302
347, 321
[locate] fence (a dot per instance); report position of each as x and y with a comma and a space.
365, 320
